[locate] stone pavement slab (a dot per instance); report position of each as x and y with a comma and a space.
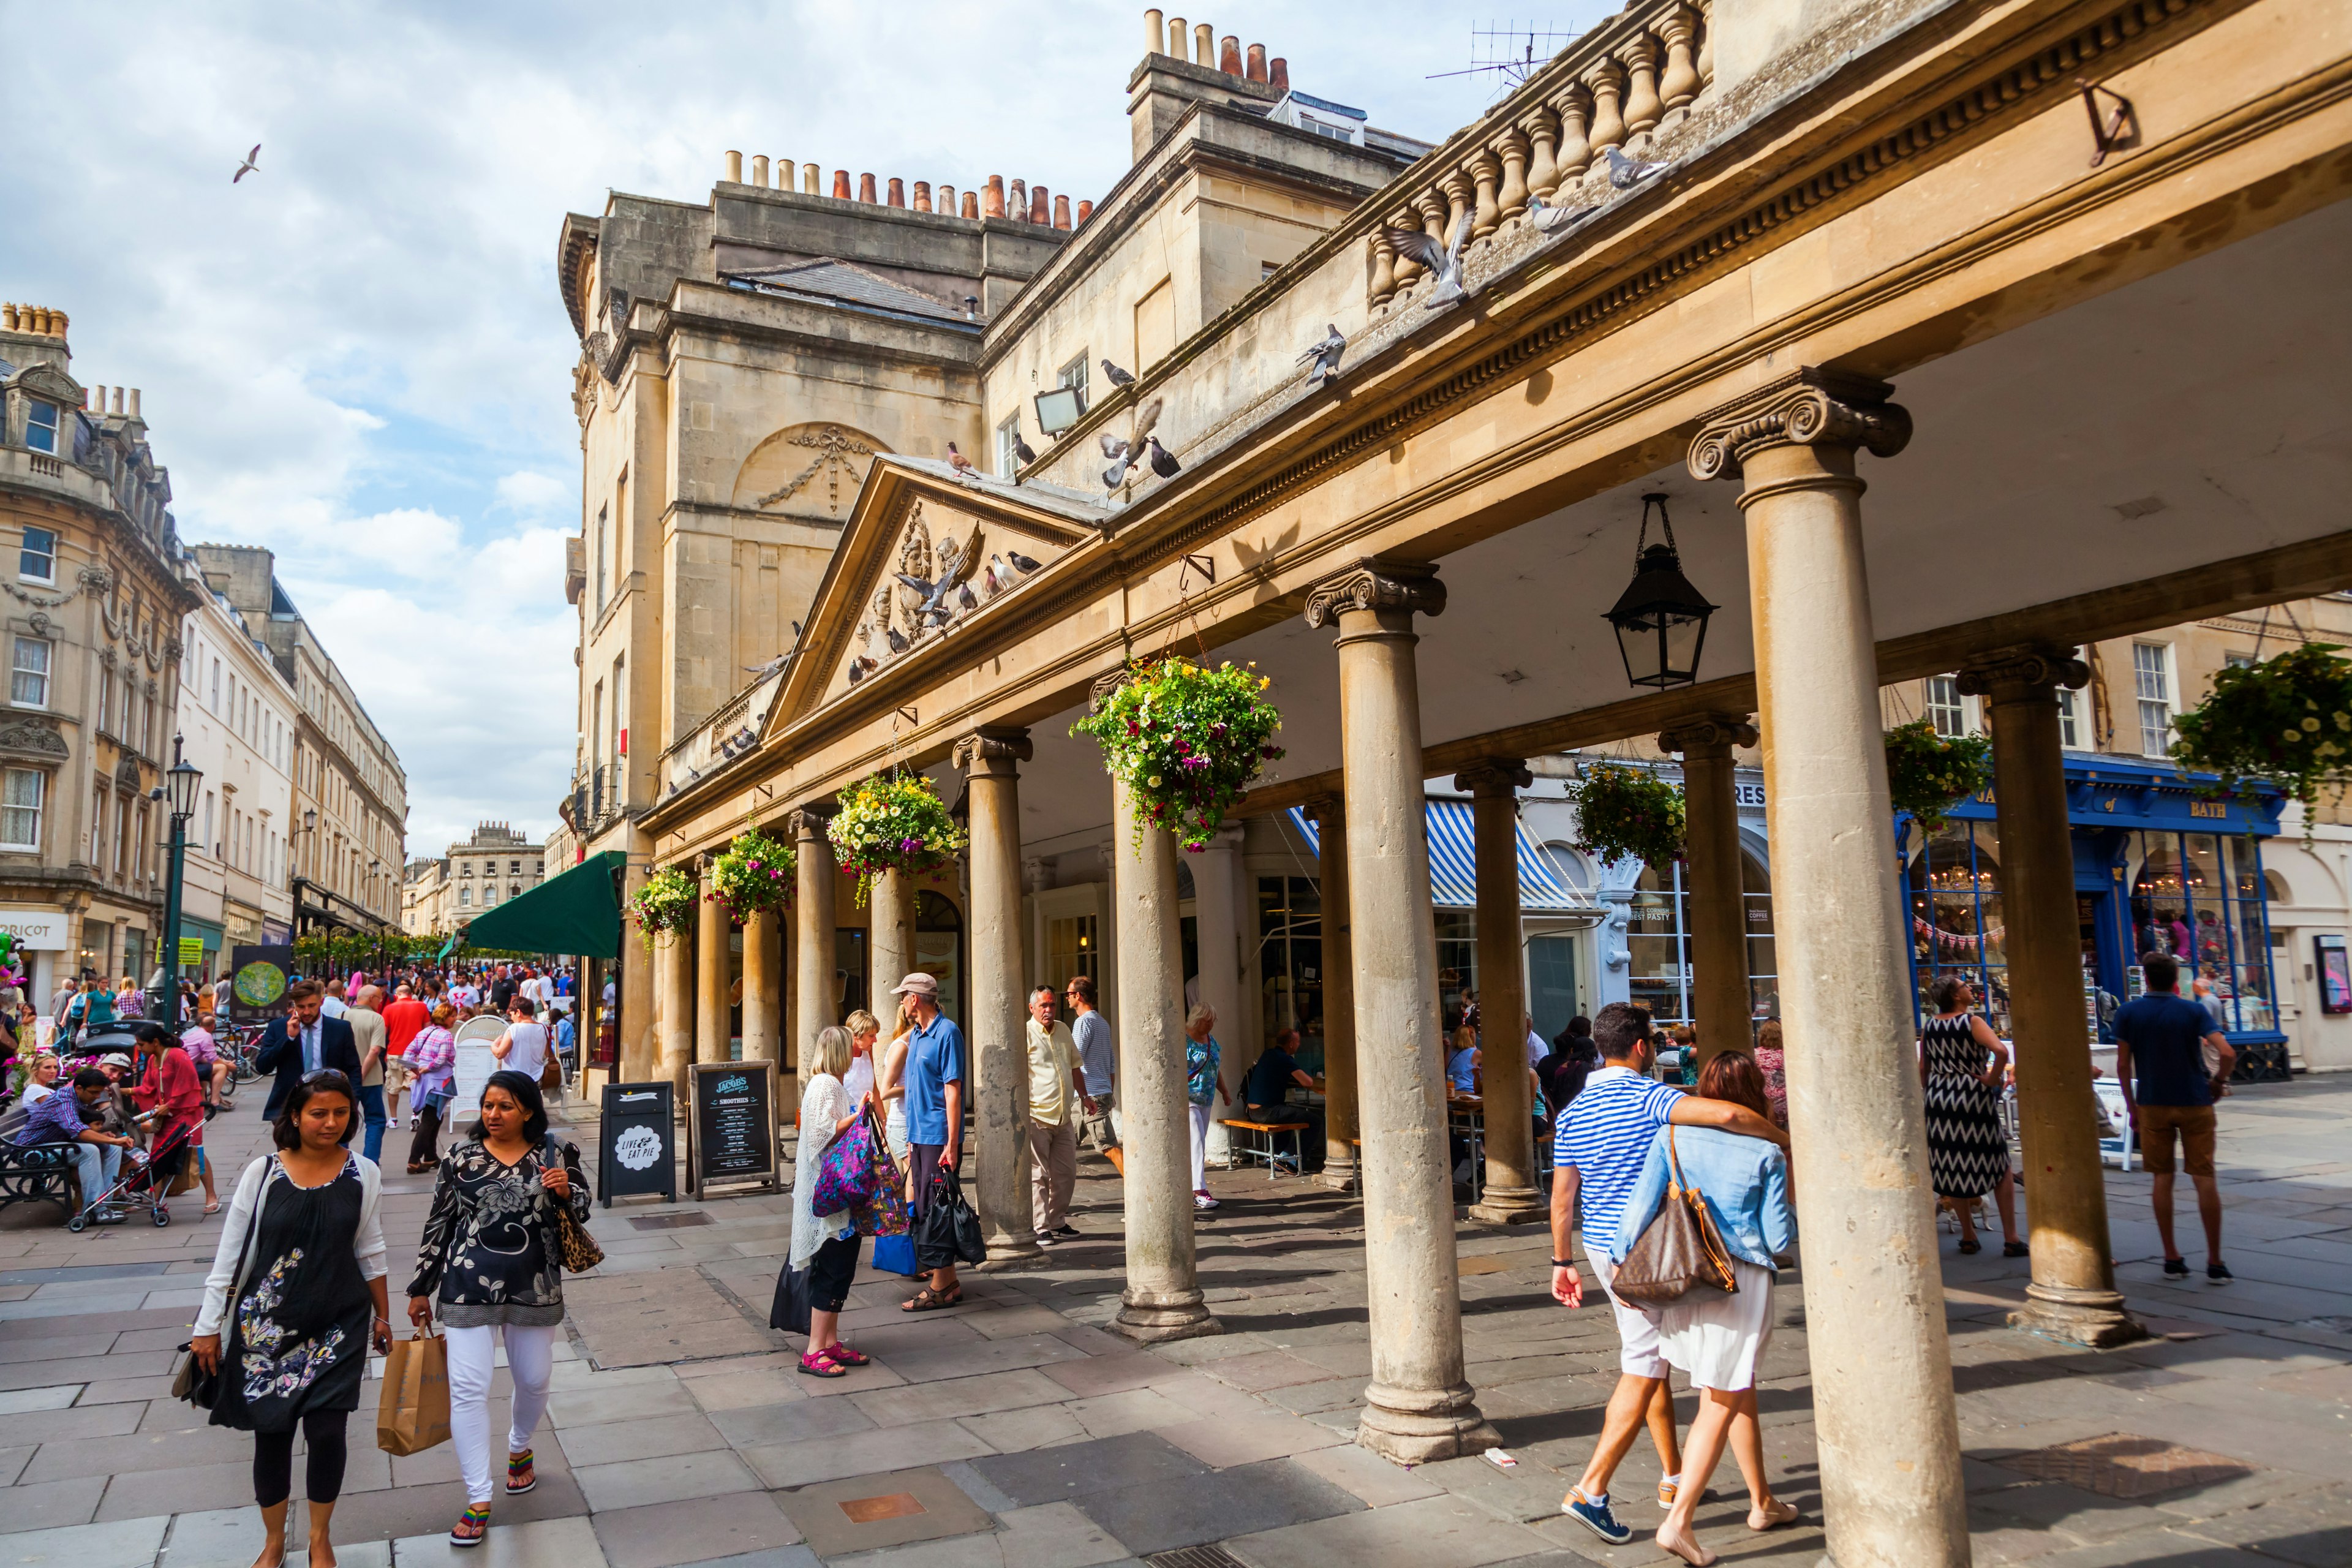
893, 1508
633, 1482
132, 1544
545, 1543
1077, 1469
660, 1535
1188, 1510
1433, 1533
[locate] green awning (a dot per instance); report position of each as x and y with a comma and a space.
578, 914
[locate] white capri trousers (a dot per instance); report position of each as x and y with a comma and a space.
473, 1357
1200, 1119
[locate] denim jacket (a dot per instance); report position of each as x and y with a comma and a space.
1745, 1182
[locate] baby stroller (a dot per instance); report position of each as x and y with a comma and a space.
142, 1179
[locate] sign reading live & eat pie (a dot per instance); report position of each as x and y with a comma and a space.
635, 1154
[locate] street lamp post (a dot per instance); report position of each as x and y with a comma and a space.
180, 782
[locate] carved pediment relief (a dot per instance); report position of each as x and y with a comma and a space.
812, 469
944, 566
31, 738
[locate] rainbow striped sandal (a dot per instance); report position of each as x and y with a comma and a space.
521, 1477
471, 1526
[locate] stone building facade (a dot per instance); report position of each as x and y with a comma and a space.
496, 863
95, 603
237, 719
349, 813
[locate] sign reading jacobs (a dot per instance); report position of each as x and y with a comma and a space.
733, 1124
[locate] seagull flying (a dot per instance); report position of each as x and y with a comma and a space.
1324, 352
1547, 217
1626, 173
1444, 263
1163, 461
1116, 376
252, 164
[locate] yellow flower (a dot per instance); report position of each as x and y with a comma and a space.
1155, 781
1264, 681
2294, 735
2311, 726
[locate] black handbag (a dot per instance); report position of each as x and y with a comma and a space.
948, 1231
789, 1313
190, 1381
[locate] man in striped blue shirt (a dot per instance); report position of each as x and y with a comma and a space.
1603, 1135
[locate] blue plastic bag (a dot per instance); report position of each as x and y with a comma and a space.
895, 1254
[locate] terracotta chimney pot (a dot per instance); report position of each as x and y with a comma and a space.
841, 184
1229, 54
971, 204
1061, 212
8, 318
898, 192
1278, 74
734, 168
866, 189
1256, 62
1016, 205
947, 200
1086, 211
922, 196
1040, 208
995, 206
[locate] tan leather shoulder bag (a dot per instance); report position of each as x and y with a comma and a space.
1679, 1251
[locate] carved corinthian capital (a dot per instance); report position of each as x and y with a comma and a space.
1405, 585
1495, 775
993, 750
1708, 732
808, 821
1806, 407
2023, 671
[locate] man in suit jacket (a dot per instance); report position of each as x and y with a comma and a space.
303, 1042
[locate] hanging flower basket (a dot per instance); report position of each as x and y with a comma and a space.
2287, 720
666, 903
1929, 774
1625, 812
1186, 740
893, 822
754, 873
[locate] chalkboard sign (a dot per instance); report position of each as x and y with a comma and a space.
633, 1150
731, 1134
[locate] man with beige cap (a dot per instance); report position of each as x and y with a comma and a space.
934, 1077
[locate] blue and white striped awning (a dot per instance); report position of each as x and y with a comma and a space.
1454, 863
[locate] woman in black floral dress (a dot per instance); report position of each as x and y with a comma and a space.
492, 1255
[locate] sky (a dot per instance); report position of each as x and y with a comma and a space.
357, 357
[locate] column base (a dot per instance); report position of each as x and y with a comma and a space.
2093, 1317
1338, 1172
1421, 1426
1510, 1206
1012, 1252
1149, 1317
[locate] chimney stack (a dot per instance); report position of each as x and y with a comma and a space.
971, 204
1229, 55
734, 168
1180, 39
841, 184
898, 192
1256, 71
1154, 42
760, 169
922, 196
1278, 74
1061, 212
995, 206
866, 189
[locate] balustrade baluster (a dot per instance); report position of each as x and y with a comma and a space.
1543, 170
1680, 83
1607, 81
1644, 109
1512, 197
1485, 215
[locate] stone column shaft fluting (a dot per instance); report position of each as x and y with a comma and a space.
763, 987
1419, 1407
1884, 1422
813, 938
1720, 1005
998, 1031
674, 1007
1510, 1195
1340, 1123
2073, 1296
713, 1031
1162, 1299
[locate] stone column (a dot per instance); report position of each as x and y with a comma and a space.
1890, 1447
1162, 1299
763, 987
1419, 1407
674, 1009
998, 1027
1721, 1006
2073, 1296
889, 943
1340, 1123
812, 956
713, 930
1216, 873
1509, 1196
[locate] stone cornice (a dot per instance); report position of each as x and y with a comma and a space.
1391, 585
1810, 406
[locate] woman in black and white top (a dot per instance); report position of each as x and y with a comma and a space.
492, 1256
297, 1282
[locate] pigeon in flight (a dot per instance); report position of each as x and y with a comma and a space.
1444, 263
1116, 376
1547, 217
1324, 352
1163, 461
1126, 451
1626, 173
955, 564
252, 164
960, 464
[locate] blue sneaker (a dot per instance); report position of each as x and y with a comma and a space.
1595, 1517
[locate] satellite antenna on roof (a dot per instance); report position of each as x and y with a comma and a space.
1512, 51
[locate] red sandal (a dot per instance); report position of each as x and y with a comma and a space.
841, 1356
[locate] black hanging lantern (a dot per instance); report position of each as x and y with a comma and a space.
1660, 619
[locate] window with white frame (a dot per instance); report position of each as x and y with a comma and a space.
2152, 680
1007, 433
28, 680
1074, 375
41, 426
97, 823
465, 898
1946, 709
20, 808
603, 523
2069, 700
36, 557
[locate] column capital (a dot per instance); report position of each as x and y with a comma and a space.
1708, 734
993, 751
1408, 586
2031, 671
1326, 808
1810, 406
1495, 775
809, 821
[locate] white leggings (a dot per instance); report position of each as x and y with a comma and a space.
473, 1356
1200, 1119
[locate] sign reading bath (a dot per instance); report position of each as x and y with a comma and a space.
732, 1134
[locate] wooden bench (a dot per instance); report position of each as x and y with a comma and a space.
1267, 1152
36, 1173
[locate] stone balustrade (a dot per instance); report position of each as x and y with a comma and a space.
1631, 76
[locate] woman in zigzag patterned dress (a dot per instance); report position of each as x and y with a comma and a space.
1960, 1065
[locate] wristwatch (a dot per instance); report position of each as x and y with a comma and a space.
1563, 1263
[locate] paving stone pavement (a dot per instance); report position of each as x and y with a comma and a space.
1014, 1432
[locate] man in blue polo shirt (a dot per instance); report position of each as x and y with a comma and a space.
1604, 1135
74, 1116
2169, 1087
934, 1078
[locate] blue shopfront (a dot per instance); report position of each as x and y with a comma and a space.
2159, 866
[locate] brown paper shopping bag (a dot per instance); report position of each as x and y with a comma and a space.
415, 1413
